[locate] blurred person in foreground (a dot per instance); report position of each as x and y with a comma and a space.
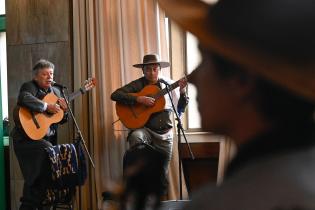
256, 84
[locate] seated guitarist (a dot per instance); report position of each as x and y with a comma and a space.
31, 153
157, 131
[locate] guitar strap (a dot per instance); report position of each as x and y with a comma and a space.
54, 90
35, 120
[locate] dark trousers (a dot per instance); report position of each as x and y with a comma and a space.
33, 161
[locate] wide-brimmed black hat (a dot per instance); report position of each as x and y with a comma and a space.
271, 38
152, 59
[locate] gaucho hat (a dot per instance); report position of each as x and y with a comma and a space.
274, 39
152, 59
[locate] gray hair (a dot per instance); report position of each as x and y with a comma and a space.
42, 63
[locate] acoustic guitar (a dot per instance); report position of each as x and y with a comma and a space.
36, 124
136, 116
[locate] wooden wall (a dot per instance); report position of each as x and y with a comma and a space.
37, 29
204, 168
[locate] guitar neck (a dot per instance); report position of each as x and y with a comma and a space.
89, 84
75, 94
166, 89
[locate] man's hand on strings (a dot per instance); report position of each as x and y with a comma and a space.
145, 100
63, 104
53, 108
182, 84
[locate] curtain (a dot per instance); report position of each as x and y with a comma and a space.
109, 37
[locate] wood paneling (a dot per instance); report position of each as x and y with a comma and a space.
199, 172
204, 168
37, 21
201, 150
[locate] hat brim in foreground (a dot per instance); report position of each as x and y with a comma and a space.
192, 16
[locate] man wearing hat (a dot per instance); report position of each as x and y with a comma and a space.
157, 131
31, 154
256, 84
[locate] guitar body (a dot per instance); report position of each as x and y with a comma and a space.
136, 116
44, 119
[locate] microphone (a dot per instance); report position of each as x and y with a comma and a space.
53, 83
164, 82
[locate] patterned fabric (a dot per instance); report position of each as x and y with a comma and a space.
64, 164
65, 173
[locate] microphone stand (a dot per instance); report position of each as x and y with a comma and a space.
79, 139
179, 130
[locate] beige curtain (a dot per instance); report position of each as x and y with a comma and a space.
110, 36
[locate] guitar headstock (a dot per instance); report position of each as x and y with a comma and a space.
89, 84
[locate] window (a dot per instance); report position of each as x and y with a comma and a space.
2, 7
4, 100
185, 57
193, 59
3, 65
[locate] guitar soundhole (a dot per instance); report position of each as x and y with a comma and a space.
49, 114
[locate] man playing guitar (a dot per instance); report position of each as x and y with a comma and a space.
136, 103
31, 154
